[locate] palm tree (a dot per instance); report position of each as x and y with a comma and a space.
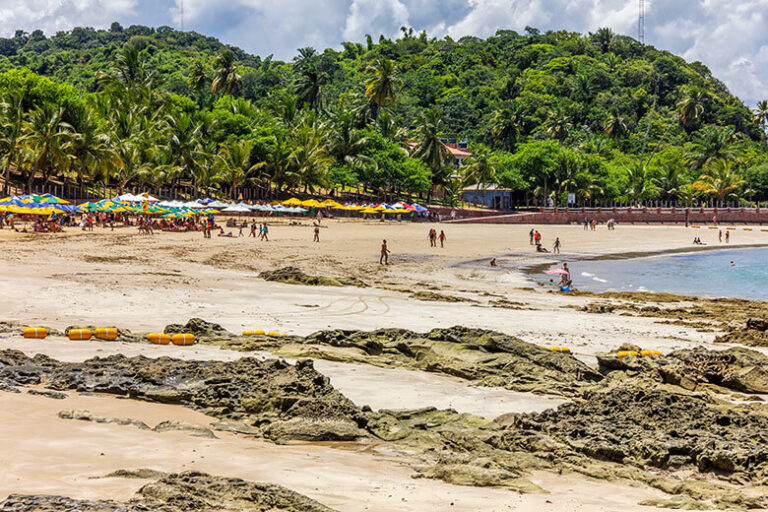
761, 114
558, 125
615, 126
234, 164
671, 181
480, 169
11, 125
720, 180
225, 77
603, 38
430, 148
128, 71
711, 143
383, 86
507, 125
308, 86
197, 77
93, 154
309, 158
183, 136
565, 172
691, 106
640, 183
47, 140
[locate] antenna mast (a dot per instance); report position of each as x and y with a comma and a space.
641, 23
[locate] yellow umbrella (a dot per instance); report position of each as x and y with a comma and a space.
331, 203
311, 203
369, 210
292, 202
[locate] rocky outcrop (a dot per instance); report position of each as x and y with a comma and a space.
736, 369
184, 492
294, 275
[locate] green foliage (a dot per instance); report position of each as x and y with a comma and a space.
545, 114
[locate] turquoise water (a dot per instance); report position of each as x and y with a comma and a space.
703, 274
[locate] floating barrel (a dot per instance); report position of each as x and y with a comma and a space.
647, 353
183, 339
105, 333
79, 334
626, 353
273, 333
35, 332
252, 332
158, 338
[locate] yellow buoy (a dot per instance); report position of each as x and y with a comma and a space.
183, 339
273, 333
35, 332
559, 349
253, 332
158, 338
105, 333
626, 353
285, 334
79, 334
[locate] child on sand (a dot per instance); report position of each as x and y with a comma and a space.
384, 258
317, 234
442, 238
556, 247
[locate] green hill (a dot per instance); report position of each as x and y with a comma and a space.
599, 114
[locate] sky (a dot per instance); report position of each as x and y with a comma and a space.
729, 36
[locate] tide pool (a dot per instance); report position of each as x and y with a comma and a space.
703, 274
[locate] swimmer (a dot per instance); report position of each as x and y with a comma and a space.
733, 264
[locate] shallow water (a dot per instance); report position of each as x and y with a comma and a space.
702, 274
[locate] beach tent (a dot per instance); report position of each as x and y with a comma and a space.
237, 208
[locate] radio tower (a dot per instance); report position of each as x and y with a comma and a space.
641, 23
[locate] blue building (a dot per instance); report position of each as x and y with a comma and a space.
491, 196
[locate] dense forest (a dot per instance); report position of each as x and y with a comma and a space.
598, 115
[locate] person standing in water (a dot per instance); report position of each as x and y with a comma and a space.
384, 258
727, 237
556, 247
442, 239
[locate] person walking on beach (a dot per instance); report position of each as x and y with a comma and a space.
253, 230
727, 237
265, 233
530, 235
432, 237
384, 258
720, 236
556, 247
442, 239
537, 238
317, 234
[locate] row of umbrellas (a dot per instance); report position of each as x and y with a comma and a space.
399, 207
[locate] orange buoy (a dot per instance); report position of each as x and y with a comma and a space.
105, 333
183, 339
158, 338
35, 332
79, 334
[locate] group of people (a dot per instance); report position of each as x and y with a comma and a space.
434, 237
727, 236
535, 238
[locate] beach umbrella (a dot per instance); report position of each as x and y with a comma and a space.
557, 271
330, 203
311, 203
292, 202
237, 208
48, 199
217, 204
369, 210
419, 208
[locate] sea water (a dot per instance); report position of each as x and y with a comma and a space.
703, 273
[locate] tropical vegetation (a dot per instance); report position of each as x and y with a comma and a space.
600, 117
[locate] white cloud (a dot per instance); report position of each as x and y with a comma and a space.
54, 15
729, 36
